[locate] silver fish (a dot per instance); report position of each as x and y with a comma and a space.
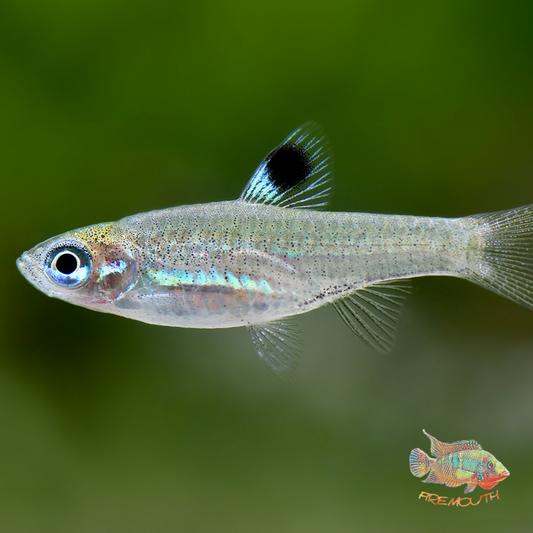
269, 255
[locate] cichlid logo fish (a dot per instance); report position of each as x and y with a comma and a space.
457, 463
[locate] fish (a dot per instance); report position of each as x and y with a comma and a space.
274, 253
457, 463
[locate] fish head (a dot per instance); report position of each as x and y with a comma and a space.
492, 472
90, 267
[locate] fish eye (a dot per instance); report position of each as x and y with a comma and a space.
69, 264
490, 464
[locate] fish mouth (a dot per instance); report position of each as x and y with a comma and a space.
28, 268
23, 264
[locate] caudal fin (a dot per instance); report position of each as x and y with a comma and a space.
504, 261
419, 462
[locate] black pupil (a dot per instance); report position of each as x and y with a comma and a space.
67, 263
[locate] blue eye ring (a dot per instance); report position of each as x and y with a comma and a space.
69, 264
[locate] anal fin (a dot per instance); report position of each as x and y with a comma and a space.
434, 477
278, 346
373, 312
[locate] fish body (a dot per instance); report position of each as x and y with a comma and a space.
269, 255
458, 463
234, 264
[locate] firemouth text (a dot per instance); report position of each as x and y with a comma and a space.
435, 499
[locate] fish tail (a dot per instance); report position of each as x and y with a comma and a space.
502, 259
420, 462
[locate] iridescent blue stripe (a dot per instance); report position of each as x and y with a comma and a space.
175, 278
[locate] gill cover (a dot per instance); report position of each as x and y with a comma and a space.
95, 272
114, 273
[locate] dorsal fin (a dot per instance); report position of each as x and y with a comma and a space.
439, 448
297, 173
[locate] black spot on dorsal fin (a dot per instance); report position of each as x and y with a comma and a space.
296, 174
288, 166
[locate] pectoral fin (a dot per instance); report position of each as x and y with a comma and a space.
470, 487
278, 346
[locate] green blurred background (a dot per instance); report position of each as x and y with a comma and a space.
113, 107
